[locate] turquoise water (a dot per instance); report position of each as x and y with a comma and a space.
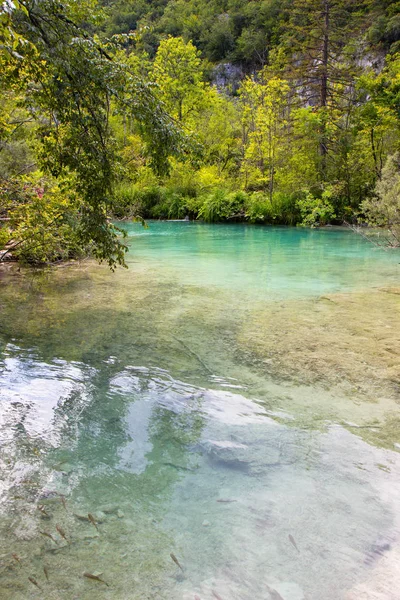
144, 398
265, 262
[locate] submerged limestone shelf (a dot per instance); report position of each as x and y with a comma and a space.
346, 344
350, 339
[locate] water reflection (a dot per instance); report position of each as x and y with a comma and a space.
250, 503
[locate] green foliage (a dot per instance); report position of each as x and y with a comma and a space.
43, 219
264, 122
235, 30
281, 209
384, 87
384, 209
178, 72
316, 211
384, 30
222, 206
259, 208
220, 29
67, 82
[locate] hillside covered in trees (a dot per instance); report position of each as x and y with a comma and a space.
270, 112
245, 31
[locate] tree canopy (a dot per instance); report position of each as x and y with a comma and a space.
66, 85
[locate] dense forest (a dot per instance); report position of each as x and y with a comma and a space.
279, 112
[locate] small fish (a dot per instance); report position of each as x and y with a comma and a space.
17, 558
178, 467
176, 561
93, 522
46, 572
63, 502
43, 511
225, 500
274, 594
291, 539
53, 539
95, 578
62, 533
34, 582
216, 595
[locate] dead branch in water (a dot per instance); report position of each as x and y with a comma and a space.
358, 230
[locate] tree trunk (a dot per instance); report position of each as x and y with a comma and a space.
324, 87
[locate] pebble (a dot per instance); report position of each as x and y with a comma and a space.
99, 516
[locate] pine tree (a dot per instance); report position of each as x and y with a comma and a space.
324, 57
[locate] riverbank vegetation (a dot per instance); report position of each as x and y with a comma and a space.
222, 110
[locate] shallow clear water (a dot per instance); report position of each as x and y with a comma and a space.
171, 402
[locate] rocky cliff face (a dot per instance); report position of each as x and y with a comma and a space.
227, 77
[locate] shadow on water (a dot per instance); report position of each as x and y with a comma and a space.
187, 414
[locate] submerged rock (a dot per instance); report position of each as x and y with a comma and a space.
377, 550
227, 452
26, 531
247, 458
99, 516
108, 509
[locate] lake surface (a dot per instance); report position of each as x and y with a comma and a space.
232, 398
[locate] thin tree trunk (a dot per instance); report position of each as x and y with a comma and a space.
374, 154
324, 87
271, 165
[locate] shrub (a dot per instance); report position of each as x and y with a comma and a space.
171, 206
258, 208
44, 220
282, 210
384, 209
130, 200
316, 211
222, 205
